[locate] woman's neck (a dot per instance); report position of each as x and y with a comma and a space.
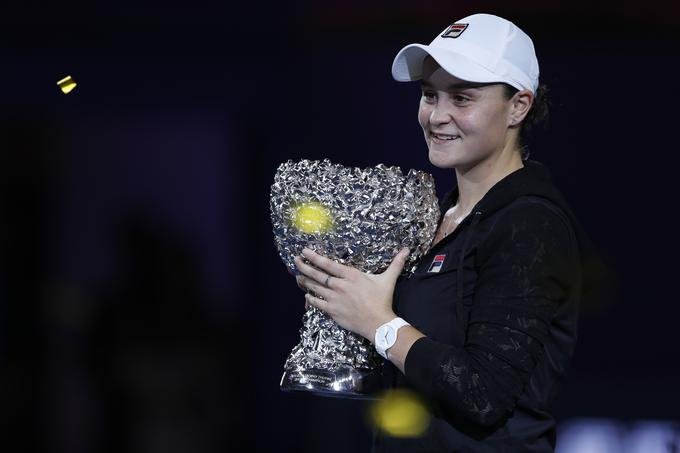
475, 182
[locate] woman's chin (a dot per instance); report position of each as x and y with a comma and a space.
441, 160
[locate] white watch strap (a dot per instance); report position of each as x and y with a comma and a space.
395, 324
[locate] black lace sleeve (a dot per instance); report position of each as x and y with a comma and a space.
527, 266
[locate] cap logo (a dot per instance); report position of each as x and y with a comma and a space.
454, 30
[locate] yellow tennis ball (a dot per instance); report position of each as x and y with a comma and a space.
400, 413
312, 217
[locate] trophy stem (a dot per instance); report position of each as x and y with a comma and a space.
331, 361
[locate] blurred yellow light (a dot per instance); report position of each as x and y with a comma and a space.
312, 217
67, 84
400, 413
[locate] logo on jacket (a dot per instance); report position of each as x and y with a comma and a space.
437, 263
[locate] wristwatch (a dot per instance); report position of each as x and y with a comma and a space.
386, 335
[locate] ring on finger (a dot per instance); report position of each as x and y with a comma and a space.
326, 282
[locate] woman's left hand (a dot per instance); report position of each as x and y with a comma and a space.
357, 301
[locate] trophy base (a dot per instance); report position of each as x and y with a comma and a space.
343, 382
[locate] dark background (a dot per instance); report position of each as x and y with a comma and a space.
143, 305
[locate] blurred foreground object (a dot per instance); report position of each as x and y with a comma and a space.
603, 435
67, 84
400, 413
312, 218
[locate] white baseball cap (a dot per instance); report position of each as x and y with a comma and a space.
478, 48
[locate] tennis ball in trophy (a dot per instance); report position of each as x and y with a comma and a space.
312, 217
400, 413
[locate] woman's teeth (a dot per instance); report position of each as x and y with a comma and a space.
444, 137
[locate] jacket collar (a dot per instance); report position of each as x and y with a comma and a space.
532, 179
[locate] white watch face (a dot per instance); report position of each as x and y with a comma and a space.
387, 336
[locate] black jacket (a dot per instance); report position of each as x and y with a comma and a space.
498, 301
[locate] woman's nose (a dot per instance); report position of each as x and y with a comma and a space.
440, 114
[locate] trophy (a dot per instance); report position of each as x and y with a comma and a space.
360, 218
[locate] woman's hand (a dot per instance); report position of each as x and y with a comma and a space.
357, 301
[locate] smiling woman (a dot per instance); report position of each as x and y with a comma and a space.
466, 123
485, 326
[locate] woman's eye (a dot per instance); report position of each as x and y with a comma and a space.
460, 99
428, 95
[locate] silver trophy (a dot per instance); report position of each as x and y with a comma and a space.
358, 217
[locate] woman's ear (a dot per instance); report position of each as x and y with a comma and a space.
519, 106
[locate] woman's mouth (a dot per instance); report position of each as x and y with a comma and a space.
442, 138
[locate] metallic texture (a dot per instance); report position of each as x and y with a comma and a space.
374, 213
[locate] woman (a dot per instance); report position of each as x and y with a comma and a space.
485, 327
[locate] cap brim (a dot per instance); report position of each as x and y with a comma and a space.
408, 65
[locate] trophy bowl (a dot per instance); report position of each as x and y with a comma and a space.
360, 218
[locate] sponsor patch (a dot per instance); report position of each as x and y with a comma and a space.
437, 263
454, 30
